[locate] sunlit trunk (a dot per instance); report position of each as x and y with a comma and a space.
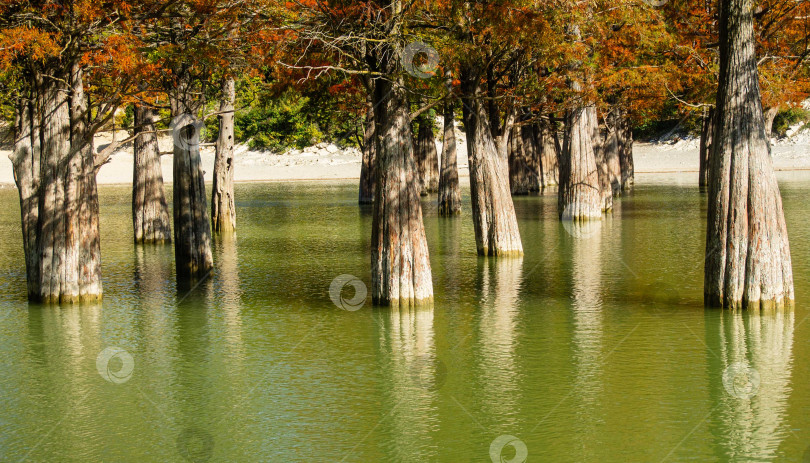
150, 213
223, 207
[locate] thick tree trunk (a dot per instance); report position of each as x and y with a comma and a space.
55, 172
449, 191
626, 151
747, 252
496, 228
367, 177
547, 145
705, 147
223, 207
427, 156
579, 196
192, 229
524, 171
400, 264
601, 159
611, 146
150, 213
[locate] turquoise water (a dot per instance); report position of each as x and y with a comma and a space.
594, 346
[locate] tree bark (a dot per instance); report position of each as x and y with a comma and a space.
223, 207
367, 177
601, 159
54, 168
705, 147
496, 228
770, 115
400, 264
549, 153
524, 172
626, 151
192, 228
748, 260
449, 191
150, 213
427, 156
579, 196
613, 124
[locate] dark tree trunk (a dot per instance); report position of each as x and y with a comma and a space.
579, 196
400, 264
192, 228
612, 141
54, 168
449, 191
150, 213
705, 147
547, 145
496, 228
367, 177
427, 156
626, 151
223, 207
747, 252
524, 172
601, 159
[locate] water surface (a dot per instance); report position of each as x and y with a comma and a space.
593, 347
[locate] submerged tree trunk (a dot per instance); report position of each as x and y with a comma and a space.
54, 168
612, 141
192, 228
601, 159
705, 147
150, 213
449, 191
496, 228
427, 156
367, 177
400, 264
747, 252
579, 196
524, 171
223, 207
626, 150
549, 152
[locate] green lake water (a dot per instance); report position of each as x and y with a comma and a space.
595, 346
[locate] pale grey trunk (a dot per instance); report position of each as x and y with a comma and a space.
192, 228
427, 157
770, 115
494, 219
579, 196
400, 264
25, 160
524, 172
449, 191
748, 260
601, 159
223, 207
611, 147
549, 152
150, 213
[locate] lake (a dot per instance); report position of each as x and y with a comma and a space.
595, 346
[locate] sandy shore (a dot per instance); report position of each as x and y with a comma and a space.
324, 162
